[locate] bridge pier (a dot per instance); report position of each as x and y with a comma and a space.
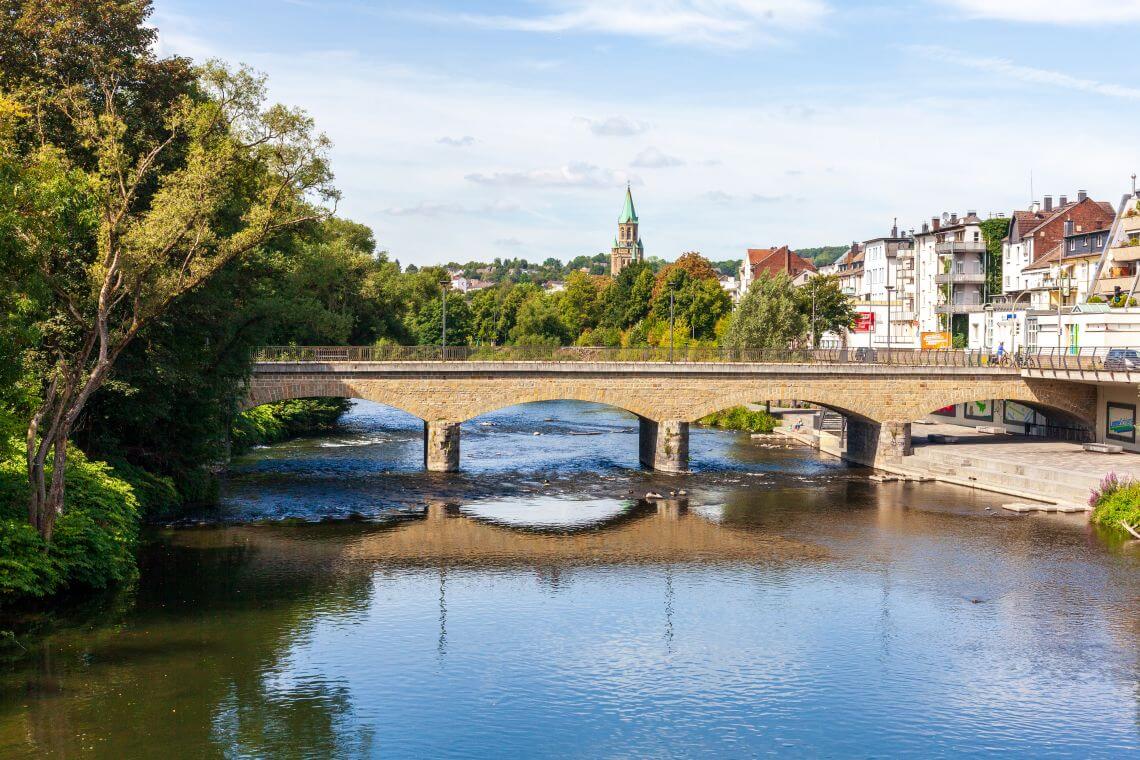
663, 445
869, 441
441, 446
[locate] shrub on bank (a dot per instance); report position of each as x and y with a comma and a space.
1114, 501
272, 423
95, 538
741, 418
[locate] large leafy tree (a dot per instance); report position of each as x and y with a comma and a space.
770, 315
823, 300
581, 302
539, 322
698, 298
626, 301
121, 205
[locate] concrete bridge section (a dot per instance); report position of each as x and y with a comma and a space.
880, 401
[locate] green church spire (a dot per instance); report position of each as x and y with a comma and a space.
628, 215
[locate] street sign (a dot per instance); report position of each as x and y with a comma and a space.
864, 321
936, 340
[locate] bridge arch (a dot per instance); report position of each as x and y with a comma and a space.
1043, 396
641, 407
325, 388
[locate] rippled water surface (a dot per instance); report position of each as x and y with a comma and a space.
537, 605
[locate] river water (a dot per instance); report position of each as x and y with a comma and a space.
350, 605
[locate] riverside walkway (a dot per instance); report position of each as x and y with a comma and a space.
879, 392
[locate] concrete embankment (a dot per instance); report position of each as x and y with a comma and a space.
1054, 472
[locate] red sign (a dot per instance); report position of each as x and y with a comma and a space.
864, 321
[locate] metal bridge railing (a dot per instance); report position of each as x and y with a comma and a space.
1055, 359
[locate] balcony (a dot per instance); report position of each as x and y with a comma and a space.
1130, 223
1126, 253
961, 246
958, 308
1108, 285
960, 278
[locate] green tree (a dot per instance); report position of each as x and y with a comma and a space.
626, 301
148, 220
581, 303
823, 296
539, 322
770, 315
427, 321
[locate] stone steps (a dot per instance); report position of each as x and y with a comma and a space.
1007, 477
999, 467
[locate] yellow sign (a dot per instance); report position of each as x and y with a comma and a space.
934, 340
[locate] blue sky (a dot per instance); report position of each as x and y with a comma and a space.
474, 130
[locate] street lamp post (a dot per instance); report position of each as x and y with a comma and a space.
814, 288
443, 337
890, 289
671, 332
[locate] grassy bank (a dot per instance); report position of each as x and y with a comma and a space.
1116, 501
741, 418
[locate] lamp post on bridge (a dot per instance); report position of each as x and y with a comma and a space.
444, 284
890, 289
672, 290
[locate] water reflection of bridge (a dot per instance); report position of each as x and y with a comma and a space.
655, 532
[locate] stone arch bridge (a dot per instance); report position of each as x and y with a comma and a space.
879, 400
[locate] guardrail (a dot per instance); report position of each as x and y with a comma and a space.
839, 356
1099, 359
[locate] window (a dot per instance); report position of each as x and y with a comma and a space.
1073, 244
1100, 241
1031, 332
977, 236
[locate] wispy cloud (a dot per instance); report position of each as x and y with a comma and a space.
614, 126
457, 142
718, 196
722, 198
652, 158
1011, 70
1087, 12
721, 23
573, 174
431, 208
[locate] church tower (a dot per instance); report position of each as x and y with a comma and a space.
627, 245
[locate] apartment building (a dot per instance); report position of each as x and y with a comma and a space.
1036, 232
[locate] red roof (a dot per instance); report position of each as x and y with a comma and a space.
776, 260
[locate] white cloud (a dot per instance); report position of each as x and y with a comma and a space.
1087, 12
457, 142
652, 158
1011, 70
614, 126
573, 174
721, 23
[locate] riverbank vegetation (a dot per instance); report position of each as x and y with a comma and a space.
273, 423
741, 418
1116, 504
